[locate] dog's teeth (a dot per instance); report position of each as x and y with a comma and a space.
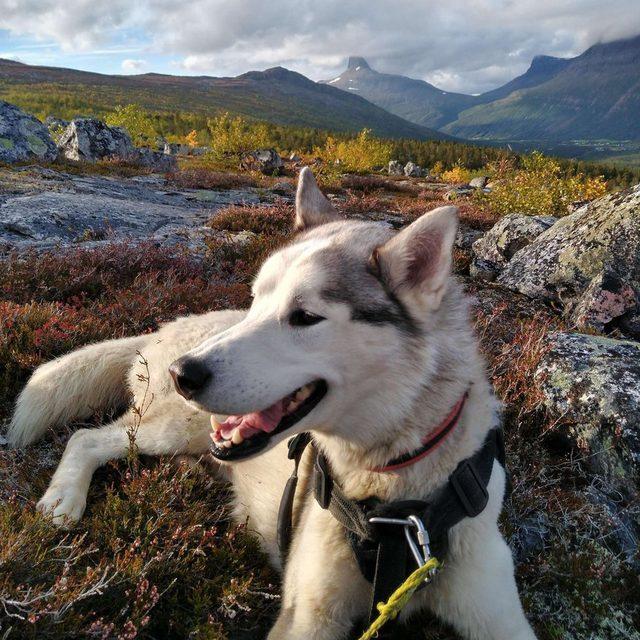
215, 425
227, 444
237, 438
303, 394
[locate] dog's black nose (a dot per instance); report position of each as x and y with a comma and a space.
189, 376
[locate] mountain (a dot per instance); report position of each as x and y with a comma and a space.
542, 68
276, 95
595, 96
414, 100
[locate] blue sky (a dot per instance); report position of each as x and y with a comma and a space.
459, 45
127, 51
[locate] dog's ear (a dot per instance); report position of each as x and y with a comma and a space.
417, 260
312, 207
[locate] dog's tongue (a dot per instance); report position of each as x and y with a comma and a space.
250, 423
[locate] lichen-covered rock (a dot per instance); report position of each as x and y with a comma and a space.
90, 140
23, 137
594, 252
607, 297
394, 168
510, 234
483, 270
412, 170
466, 236
592, 385
267, 161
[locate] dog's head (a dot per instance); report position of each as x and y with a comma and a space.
337, 334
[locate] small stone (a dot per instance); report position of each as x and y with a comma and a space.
479, 183
267, 161
394, 168
156, 160
412, 170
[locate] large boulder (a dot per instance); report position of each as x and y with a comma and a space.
510, 234
90, 140
588, 263
23, 137
267, 161
592, 386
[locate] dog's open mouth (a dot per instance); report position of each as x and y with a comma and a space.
242, 436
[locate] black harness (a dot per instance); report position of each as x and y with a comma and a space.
383, 550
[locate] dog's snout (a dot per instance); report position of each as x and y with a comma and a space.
189, 376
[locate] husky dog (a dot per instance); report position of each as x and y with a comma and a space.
356, 334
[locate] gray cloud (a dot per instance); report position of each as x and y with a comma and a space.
460, 45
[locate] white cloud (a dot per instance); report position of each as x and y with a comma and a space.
133, 66
465, 45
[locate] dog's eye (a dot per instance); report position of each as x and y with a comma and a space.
302, 318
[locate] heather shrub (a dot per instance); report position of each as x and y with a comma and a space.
238, 260
136, 121
53, 303
156, 557
276, 219
539, 187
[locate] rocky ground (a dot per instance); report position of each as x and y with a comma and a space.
88, 256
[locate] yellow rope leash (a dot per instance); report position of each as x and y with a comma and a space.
399, 598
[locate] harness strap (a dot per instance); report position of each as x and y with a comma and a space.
297, 445
381, 550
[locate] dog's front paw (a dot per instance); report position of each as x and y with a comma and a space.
64, 505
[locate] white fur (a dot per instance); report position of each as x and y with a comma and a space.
384, 394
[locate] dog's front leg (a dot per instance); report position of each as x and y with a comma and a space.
165, 432
324, 592
476, 592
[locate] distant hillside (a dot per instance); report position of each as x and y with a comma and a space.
415, 100
595, 96
276, 95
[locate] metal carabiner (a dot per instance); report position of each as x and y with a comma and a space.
421, 554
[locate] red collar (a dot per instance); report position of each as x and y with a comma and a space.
437, 437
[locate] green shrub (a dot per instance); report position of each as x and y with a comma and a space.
538, 187
233, 137
136, 121
360, 154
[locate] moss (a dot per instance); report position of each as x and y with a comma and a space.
37, 146
6, 143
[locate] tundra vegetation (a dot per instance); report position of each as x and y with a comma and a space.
156, 554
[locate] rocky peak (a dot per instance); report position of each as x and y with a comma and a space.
356, 62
